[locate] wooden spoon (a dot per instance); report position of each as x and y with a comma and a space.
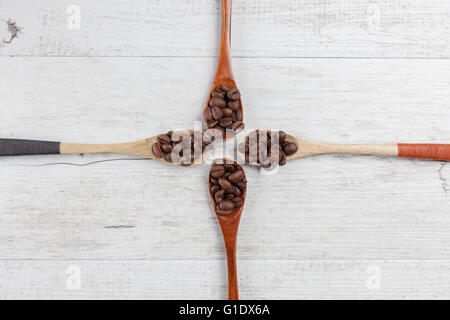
229, 224
224, 74
141, 148
420, 151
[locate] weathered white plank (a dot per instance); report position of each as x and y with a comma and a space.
283, 28
327, 207
258, 279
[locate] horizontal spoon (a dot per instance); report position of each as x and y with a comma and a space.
141, 148
307, 148
418, 151
229, 224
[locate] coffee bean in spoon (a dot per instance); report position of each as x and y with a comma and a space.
290, 148
217, 171
228, 184
233, 94
223, 110
182, 148
156, 148
267, 148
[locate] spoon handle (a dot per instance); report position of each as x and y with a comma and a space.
224, 67
419, 151
229, 231
18, 147
424, 151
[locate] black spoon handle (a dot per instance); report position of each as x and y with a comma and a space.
16, 147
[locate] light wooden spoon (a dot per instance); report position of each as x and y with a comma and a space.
224, 74
420, 151
141, 148
230, 224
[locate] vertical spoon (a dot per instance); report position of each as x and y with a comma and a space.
224, 74
229, 224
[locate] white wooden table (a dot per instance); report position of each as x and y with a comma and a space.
324, 227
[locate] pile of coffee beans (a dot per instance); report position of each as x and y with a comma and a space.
227, 183
183, 147
267, 148
224, 110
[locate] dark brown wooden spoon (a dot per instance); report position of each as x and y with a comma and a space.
229, 224
224, 74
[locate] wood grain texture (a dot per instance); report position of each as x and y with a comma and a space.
261, 28
259, 279
376, 208
124, 222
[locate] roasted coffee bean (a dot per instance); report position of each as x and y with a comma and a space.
238, 114
207, 114
236, 176
157, 150
223, 88
225, 184
290, 148
218, 94
233, 105
229, 196
224, 111
222, 212
163, 138
218, 196
217, 102
227, 112
230, 167
212, 123
166, 148
168, 157
281, 136
217, 171
214, 189
227, 205
281, 157
238, 126
217, 113
213, 181
233, 94
225, 122
236, 191
237, 202
242, 185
